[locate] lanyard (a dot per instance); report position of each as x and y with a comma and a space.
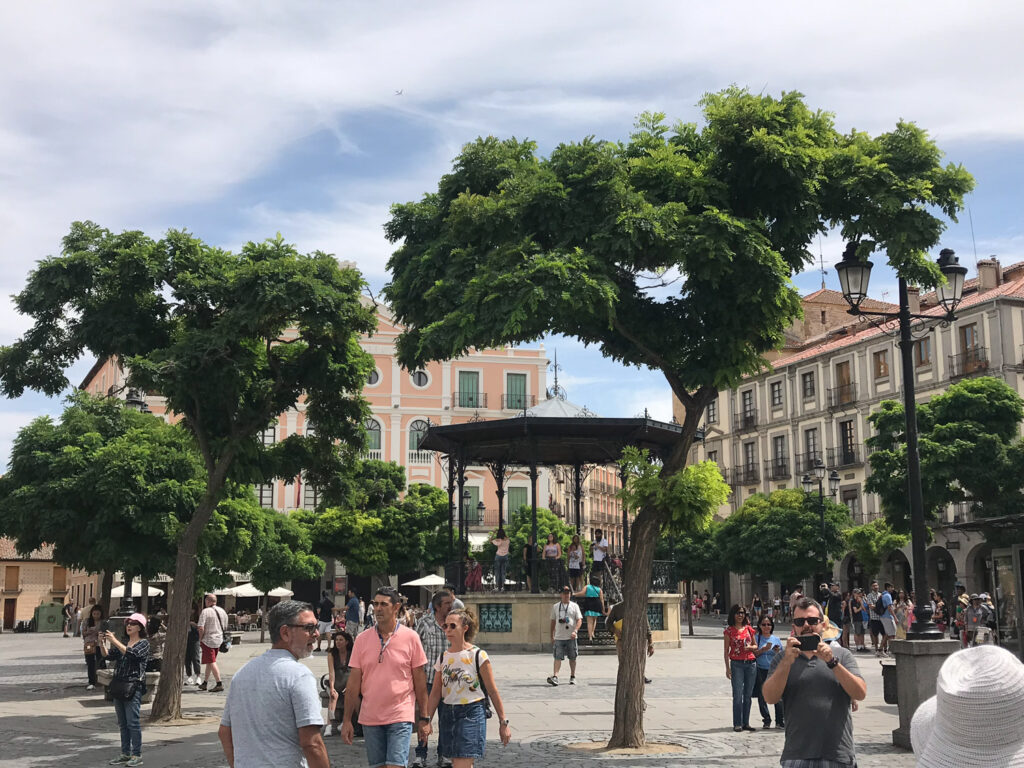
384, 645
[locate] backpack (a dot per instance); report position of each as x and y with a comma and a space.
880, 605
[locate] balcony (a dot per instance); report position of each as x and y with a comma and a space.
849, 456
777, 469
469, 400
745, 474
373, 454
805, 461
746, 420
420, 457
517, 402
968, 363
842, 396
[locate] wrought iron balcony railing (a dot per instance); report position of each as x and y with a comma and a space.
777, 468
842, 396
469, 400
968, 362
745, 420
518, 402
848, 456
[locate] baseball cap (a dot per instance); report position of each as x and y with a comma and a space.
138, 617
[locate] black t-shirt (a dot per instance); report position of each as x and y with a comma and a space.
326, 609
834, 608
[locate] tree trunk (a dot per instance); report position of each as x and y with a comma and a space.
689, 606
628, 730
167, 702
106, 587
145, 597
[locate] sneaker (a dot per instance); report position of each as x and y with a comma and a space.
119, 760
749, 728
553, 680
780, 724
89, 687
217, 688
202, 686
572, 680
767, 724
419, 762
444, 762
647, 680
135, 760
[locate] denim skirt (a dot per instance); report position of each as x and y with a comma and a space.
463, 730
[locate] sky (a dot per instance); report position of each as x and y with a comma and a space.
238, 120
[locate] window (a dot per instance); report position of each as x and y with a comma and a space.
372, 434
749, 453
880, 361
923, 353
468, 395
60, 579
823, 317
779, 447
417, 431
518, 497
851, 499
776, 389
713, 412
747, 397
310, 495
12, 578
269, 435
373, 379
846, 442
515, 391
713, 456
807, 384
265, 495
419, 378
811, 442
969, 337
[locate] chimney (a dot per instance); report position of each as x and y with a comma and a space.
914, 299
989, 274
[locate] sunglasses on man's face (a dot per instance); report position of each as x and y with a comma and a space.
811, 620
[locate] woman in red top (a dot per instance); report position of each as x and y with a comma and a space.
740, 645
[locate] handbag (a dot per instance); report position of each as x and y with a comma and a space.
487, 699
123, 689
226, 645
90, 648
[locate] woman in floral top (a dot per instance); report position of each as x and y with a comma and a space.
466, 680
131, 658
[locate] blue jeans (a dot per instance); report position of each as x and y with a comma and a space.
421, 746
128, 722
463, 730
762, 705
744, 673
500, 567
387, 744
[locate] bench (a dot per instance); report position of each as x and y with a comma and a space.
104, 676
236, 638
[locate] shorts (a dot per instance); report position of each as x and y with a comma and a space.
876, 627
388, 744
209, 654
575, 573
563, 648
462, 730
889, 625
324, 627
858, 628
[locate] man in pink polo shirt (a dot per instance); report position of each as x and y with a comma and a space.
387, 670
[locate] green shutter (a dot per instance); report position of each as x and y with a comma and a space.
516, 498
515, 384
469, 389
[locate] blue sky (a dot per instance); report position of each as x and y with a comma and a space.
239, 119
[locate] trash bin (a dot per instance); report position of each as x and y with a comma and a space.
49, 617
889, 691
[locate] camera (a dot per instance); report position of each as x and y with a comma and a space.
566, 621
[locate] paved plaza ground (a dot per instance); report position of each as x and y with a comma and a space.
48, 719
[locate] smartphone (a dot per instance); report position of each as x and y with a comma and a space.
809, 642
104, 626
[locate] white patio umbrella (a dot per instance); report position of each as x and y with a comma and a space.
118, 591
246, 590
430, 580
280, 592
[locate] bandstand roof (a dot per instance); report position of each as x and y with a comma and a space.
550, 440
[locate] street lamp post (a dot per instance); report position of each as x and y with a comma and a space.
854, 274
833, 488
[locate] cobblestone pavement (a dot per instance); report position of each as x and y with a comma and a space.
47, 718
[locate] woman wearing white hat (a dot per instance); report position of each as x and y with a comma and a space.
973, 720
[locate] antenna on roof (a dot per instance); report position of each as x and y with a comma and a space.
556, 390
821, 262
973, 243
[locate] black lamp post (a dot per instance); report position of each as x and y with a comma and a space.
833, 488
854, 274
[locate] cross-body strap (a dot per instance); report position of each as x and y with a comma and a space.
479, 677
216, 612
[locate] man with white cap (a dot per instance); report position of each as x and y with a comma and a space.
973, 720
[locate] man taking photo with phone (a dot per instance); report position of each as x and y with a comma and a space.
817, 683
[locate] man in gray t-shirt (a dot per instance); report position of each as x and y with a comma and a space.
816, 688
272, 718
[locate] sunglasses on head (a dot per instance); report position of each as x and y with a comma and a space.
811, 620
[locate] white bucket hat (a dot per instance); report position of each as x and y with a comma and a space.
974, 718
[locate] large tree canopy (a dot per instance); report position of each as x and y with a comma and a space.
970, 448
672, 250
230, 340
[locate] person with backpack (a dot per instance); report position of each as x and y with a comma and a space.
468, 689
887, 617
874, 622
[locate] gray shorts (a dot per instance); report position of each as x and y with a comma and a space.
858, 628
565, 648
889, 625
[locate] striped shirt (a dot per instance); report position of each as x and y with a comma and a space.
434, 642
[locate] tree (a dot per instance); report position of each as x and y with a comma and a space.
872, 542
230, 340
779, 536
672, 250
969, 446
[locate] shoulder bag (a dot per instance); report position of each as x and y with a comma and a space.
225, 646
487, 698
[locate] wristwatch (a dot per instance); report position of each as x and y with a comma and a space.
832, 664
424, 719
503, 722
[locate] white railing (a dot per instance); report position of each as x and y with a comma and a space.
374, 454
421, 457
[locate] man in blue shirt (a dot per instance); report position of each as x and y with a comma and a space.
888, 618
352, 614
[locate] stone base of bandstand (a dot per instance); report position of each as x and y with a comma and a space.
917, 668
521, 621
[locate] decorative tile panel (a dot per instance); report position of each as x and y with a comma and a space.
495, 617
656, 616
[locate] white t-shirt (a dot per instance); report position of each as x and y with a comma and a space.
600, 554
460, 683
212, 620
559, 613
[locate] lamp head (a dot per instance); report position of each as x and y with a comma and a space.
854, 276
807, 483
833, 482
819, 469
952, 292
